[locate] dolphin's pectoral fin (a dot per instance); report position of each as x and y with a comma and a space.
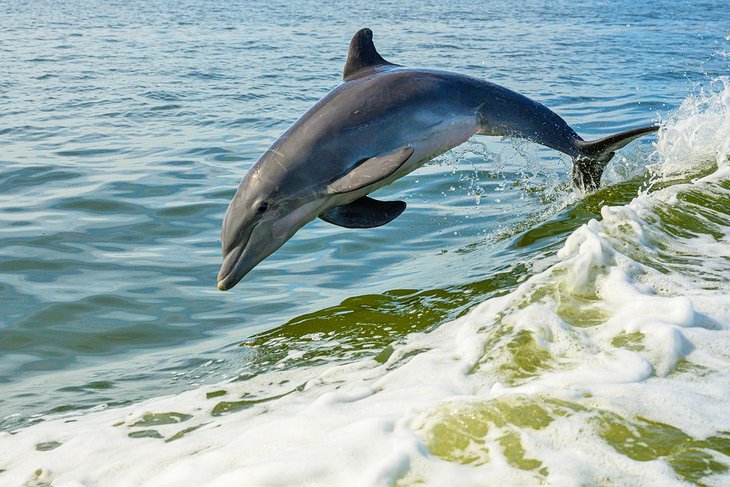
362, 55
364, 213
369, 171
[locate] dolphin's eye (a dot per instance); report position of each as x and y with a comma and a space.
262, 208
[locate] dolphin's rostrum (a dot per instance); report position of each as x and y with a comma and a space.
381, 123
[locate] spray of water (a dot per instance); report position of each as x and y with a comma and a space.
695, 137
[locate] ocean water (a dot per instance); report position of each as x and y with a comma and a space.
504, 330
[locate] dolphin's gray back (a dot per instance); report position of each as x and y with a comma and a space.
393, 107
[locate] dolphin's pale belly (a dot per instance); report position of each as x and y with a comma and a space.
439, 138
428, 139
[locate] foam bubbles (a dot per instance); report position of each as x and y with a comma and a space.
697, 135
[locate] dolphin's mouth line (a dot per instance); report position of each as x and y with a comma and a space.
236, 254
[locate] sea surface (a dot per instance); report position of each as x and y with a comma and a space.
505, 330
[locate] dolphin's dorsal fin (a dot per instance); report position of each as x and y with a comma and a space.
369, 171
362, 55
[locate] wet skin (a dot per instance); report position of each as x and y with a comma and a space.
383, 122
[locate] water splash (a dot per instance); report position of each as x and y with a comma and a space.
695, 137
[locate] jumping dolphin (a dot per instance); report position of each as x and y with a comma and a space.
381, 123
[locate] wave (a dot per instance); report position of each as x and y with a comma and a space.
610, 366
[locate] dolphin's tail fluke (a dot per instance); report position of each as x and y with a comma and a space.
593, 155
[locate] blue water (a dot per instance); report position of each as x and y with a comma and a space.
125, 128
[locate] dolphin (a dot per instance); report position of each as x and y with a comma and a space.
381, 123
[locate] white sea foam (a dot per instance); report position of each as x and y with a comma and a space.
696, 134
612, 366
